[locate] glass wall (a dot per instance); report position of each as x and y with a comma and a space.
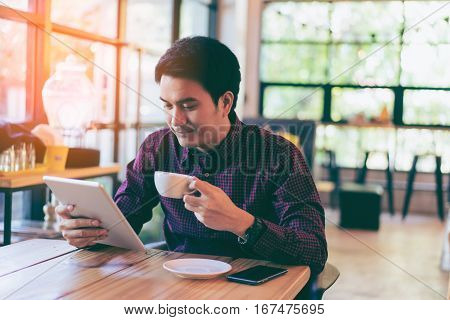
364, 68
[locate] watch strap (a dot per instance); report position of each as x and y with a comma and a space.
253, 233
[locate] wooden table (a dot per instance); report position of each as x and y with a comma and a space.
9, 185
52, 269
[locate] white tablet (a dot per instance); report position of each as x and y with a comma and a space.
92, 201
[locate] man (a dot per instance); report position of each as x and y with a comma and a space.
255, 195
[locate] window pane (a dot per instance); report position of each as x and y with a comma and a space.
129, 87
293, 63
432, 30
426, 107
149, 24
15, 4
426, 65
96, 16
13, 64
151, 106
100, 60
127, 149
102, 140
346, 143
194, 18
408, 146
442, 140
379, 141
364, 64
366, 21
296, 21
293, 103
347, 103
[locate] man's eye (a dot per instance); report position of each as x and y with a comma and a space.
167, 106
189, 106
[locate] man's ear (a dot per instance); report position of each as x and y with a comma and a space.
226, 102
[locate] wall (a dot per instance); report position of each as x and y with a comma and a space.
238, 26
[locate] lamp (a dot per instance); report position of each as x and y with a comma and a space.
69, 100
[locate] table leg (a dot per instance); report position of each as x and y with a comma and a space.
37, 201
7, 219
410, 186
389, 184
361, 174
439, 195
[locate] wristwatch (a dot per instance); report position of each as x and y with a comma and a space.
253, 233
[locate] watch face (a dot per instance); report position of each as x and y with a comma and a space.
243, 239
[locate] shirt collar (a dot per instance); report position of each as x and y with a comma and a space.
225, 147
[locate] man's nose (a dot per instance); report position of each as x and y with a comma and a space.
178, 117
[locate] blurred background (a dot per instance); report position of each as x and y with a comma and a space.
373, 76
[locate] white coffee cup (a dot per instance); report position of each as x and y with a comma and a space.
173, 185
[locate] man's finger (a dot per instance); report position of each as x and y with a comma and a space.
84, 233
78, 223
64, 211
193, 201
192, 208
202, 186
84, 242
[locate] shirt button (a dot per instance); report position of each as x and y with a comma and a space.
206, 175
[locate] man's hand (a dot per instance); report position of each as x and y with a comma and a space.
216, 210
79, 232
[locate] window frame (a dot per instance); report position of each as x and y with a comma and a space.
327, 87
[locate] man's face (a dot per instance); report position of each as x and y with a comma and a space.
191, 113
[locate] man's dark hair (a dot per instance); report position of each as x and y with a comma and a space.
204, 60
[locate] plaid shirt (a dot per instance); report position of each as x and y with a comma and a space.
261, 172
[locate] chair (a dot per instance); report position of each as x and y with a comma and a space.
316, 286
438, 191
333, 176
313, 290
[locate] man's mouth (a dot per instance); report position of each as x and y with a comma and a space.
183, 132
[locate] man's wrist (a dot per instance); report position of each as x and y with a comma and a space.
245, 222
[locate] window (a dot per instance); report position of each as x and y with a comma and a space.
100, 61
426, 106
358, 61
16, 4
149, 24
129, 87
349, 102
195, 16
280, 100
95, 16
13, 70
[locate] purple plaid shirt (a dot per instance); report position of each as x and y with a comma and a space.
261, 172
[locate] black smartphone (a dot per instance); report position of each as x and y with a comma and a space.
256, 275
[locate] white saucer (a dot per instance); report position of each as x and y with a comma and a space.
197, 268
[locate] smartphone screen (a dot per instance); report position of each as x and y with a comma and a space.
256, 275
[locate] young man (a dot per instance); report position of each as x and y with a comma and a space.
255, 195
